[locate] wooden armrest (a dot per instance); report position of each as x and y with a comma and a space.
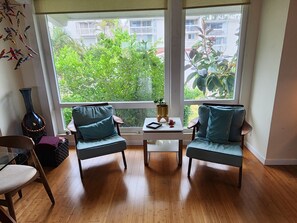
71, 126
194, 122
117, 119
246, 128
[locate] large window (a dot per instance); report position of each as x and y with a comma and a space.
211, 59
121, 58
123, 64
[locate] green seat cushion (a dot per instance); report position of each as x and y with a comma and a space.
97, 130
203, 149
219, 123
94, 148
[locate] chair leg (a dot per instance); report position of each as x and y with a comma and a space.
189, 166
124, 159
80, 168
240, 177
20, 193
5, 217
48, 190
46, 185
9, 201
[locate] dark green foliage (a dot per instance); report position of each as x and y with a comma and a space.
116, 68
214, 75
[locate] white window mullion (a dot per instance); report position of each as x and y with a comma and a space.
241, 52
176, 37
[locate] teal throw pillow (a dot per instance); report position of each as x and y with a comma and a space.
219, 123
98, 130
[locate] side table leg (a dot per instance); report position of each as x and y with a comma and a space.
180, 152
145, 152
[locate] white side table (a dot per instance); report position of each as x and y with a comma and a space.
163, 133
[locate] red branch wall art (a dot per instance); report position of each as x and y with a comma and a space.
16, 33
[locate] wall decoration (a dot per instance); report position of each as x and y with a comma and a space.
15, 33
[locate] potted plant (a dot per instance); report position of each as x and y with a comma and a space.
162, 109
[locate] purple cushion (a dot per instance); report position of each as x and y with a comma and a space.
50, 140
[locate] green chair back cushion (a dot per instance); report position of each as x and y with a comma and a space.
219, 123
85, 115
89, 118
236, 123
203, 113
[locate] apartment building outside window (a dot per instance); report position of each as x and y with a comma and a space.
86, 28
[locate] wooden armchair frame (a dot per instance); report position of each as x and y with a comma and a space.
194, 124
73, 129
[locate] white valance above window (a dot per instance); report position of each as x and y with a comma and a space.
212, 3
76, 6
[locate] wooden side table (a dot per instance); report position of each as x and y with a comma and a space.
165, 132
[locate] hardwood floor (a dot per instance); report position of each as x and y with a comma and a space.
161, 192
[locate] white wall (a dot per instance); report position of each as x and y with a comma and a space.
29, 74
265, 76
282, 146
12, 107
34, 76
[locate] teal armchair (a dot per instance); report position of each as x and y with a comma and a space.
96, 132
218, 136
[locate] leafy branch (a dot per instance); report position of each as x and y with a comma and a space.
213, 73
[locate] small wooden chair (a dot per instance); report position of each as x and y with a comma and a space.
14, 177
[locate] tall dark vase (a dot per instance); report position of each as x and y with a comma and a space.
33, 124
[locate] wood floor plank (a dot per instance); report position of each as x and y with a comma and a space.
161, 192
